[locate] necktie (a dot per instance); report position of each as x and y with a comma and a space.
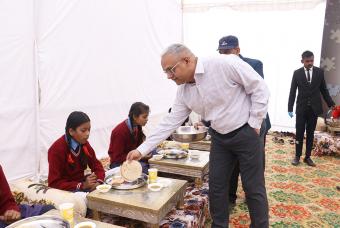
308, 76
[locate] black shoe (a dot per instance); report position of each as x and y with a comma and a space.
296, 161
309, 162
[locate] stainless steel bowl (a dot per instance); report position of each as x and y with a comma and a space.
186, 134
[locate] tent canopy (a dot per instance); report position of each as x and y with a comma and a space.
100, 57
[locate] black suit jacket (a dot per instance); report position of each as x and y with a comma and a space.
308, 92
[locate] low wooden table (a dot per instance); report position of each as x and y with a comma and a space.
196, 168
78, 219
200, 145
141, 204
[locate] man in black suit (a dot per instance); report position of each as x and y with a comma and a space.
310, 82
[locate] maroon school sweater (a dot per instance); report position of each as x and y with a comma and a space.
7, 201
121, 142
65, 171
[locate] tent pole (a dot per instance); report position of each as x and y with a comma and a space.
182, 22
37, 90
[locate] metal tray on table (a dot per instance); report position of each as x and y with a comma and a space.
173, 153
126, 185
47, 221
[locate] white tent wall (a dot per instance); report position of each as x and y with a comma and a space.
100, 57
18, 99
276, 32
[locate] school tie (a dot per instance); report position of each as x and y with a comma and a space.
308, 76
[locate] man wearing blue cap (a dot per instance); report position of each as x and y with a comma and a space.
229, 45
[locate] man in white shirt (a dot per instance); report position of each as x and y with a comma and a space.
226, 91
228, 45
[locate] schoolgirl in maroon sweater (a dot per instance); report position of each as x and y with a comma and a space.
10, 211
128, 135
70, 155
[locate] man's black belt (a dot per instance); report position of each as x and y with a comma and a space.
232, 133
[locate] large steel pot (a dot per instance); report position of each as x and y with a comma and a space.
186, 134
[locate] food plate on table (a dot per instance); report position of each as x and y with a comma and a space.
47, 221
170, 145
173, 153
114, 178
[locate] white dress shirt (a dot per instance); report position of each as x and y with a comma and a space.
227, 91
310, 73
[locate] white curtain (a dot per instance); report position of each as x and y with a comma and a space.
18, 100
276, 37
100, 57
95, 56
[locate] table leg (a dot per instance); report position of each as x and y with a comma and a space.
198, 182
96, 215
154, 225
180, 203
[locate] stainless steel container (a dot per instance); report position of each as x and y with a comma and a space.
187, 134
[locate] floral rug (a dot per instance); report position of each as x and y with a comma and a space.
299, 196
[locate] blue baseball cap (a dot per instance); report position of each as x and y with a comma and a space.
227, 42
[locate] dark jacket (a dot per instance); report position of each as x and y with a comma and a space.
258, 67
309, 94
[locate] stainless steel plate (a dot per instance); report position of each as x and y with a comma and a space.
127, 184
188, 134
42, 221
173, 153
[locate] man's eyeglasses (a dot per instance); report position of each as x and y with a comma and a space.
171, 70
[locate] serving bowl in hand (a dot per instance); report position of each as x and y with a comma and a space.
186, 134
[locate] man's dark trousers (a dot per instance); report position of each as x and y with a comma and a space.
236, 171
245, 146
305, 121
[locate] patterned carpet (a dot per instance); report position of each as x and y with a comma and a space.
299, 196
